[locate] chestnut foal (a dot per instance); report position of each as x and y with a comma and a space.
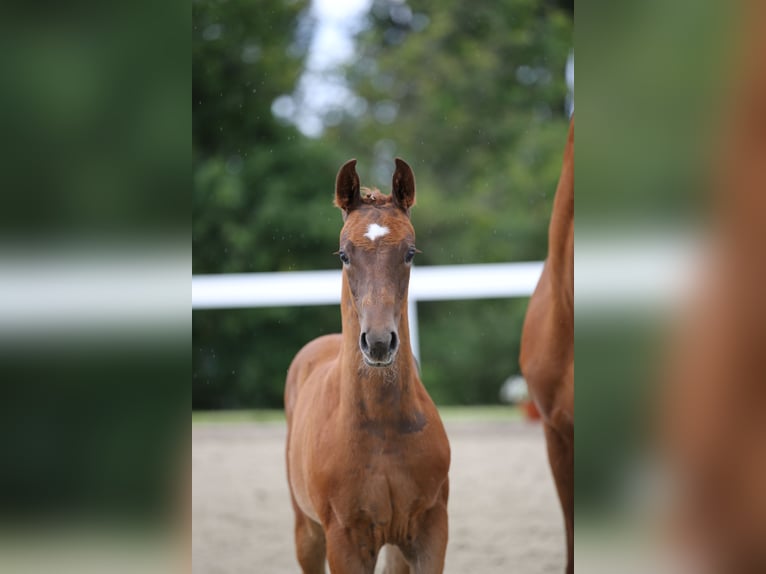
367, 454
547, 344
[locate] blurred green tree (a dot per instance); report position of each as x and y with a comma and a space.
471, 94
261, 197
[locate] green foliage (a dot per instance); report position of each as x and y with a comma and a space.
244, 54
262, 197
468, 348
470, 94
479, 99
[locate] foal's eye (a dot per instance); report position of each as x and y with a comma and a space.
343, 257
410, 255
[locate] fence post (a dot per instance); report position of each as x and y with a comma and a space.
412, 314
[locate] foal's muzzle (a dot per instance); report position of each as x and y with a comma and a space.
378, 348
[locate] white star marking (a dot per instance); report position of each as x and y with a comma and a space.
374, 231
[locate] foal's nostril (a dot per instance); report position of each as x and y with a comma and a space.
379, 346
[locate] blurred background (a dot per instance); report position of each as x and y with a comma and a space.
94, 253
94, 264
473, 95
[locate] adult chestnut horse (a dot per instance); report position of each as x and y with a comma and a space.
547, 344
367, 455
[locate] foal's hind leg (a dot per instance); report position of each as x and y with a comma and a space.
309, 543
561, 457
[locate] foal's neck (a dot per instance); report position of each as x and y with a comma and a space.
377, 392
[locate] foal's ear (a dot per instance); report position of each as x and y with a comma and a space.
347, 188
403, 186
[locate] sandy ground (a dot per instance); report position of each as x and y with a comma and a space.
504, 514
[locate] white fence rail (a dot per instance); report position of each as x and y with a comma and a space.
437, 283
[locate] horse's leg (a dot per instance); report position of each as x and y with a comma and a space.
561, 457
428, 551
349, 551
394, 561
309, 542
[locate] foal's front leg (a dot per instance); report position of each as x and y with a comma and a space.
350, 551
426, 556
